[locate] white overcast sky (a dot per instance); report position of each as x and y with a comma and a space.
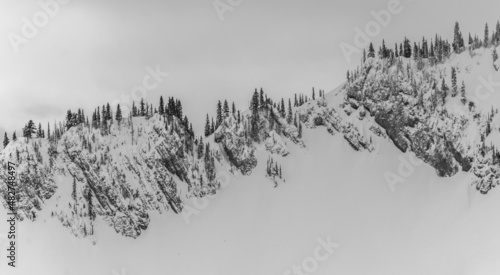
94, 51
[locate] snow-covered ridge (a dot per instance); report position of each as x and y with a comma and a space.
415, 103
121, 172
126, 171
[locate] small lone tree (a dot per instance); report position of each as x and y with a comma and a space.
207, 127
73, 194
486, 36
371, 51
462, 93
119, 116
161, 108
29, 130
454, 88
5, 140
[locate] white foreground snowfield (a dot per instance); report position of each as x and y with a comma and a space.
350, 201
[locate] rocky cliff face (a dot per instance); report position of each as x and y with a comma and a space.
119, 174
123, 172
420, 116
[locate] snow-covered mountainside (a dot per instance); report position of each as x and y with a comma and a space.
128, 170
122, 174
449, 129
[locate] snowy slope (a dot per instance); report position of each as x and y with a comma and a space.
364, 175
429, 225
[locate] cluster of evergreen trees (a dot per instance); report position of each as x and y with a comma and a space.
434, 52
29, 131
273, 170
222, 112
102, 117
437, 50
261, 105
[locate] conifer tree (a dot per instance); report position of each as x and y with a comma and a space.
431, 54
207, 127
454, 88
255, 115
185, 123
200, 148
234, 109
104, 115
457, 38
219, 114
371, 51
290, 112
73, 194
407, 48
178, 109
486, 36
90, 206
119, 115
48, 131
40, 130
497, 33
226, 108
444, 91
69, 119
282, 108
5, 140
108, 112
142, 108
261, 99
313, 95
14, 136
134, 111
462, 93
415, 51
212, 127
384, 50
29, 130
161, 107
425, 49
300, 129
